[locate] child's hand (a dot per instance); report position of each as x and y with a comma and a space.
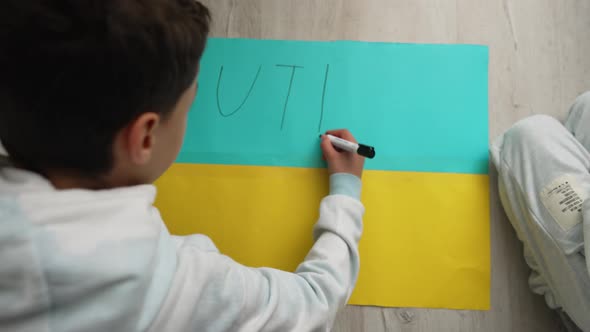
342, 161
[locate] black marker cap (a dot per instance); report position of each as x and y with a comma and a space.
366, 151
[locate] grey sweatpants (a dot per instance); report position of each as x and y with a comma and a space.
544, 182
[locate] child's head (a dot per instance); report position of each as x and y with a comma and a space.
96, 92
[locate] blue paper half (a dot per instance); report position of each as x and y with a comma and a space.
263, 102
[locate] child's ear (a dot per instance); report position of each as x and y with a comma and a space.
141, 137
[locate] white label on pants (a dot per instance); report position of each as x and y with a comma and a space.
563, 197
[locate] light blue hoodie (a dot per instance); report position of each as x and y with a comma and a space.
79, 260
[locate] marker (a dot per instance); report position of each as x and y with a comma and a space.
361, 149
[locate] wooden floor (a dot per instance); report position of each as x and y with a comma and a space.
539, 62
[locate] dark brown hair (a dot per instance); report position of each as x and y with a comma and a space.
75, 72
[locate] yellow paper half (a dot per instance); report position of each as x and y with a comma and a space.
425, 241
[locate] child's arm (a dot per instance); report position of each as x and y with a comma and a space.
211, 292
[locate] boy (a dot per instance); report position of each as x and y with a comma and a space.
94, 96
544, 184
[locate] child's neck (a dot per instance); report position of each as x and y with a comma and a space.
63, 181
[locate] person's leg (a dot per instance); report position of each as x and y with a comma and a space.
578, 120
569, 325
543, 177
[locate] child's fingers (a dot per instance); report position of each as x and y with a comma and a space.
328, 149
342, 133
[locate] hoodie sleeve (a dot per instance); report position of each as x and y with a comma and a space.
211, 292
